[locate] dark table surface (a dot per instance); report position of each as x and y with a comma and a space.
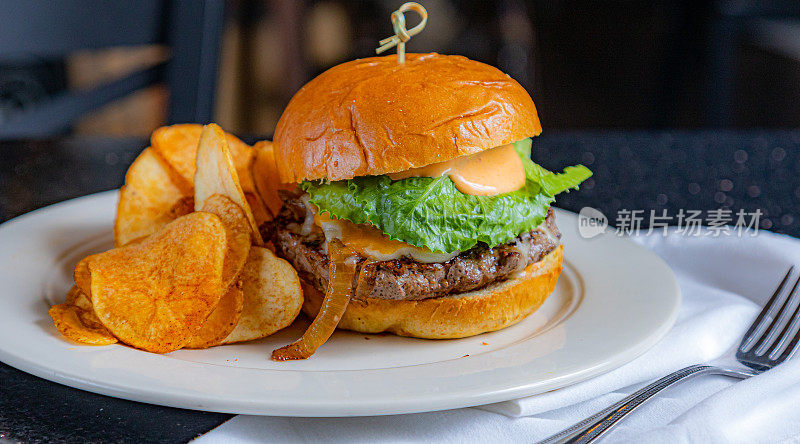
674, 170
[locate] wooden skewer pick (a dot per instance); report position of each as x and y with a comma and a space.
401, 35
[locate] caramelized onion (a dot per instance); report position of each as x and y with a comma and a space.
337, 295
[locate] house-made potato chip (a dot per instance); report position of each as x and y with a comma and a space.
215, 174
265, 176
272, 296
237, 234
67, 319
221, 322
148, 200
177, 145
156, 294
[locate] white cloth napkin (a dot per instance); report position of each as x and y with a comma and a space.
724, 282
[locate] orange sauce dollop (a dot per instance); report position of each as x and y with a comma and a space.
488, 173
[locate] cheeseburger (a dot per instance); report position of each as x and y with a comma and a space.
417, 209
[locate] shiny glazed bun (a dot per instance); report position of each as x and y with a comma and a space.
373, 116
456, 316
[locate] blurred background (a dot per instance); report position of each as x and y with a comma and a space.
125, 68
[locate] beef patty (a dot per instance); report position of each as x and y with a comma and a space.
406, 278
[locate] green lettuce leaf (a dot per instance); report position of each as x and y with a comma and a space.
431, 212
551, 183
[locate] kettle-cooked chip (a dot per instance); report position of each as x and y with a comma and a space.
82, 278
71, 321
266, 178
237, 233
156, 294
221, 322
216, 174
177, 145
148, 200
272, 296
76, 297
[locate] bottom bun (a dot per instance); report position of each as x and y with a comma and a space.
455, 316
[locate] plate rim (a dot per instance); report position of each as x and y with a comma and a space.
362, 407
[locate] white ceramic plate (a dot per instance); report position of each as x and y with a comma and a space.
613, 301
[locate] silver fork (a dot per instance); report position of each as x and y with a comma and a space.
771, 339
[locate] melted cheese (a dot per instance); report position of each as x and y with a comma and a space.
488, 173
369, 242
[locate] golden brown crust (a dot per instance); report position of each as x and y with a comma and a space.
458, 316
372, 116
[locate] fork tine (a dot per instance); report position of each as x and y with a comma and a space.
747, 340
770, 334
785, 337
790, 349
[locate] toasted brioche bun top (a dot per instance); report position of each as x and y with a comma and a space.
374, 116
